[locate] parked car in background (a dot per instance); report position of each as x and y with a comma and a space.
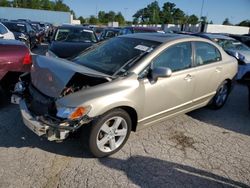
234, 48
242, 38
98, 31
23, 32
124, 84
5, 33
68, 41
40, 33
108, 33
15, 59
130, 30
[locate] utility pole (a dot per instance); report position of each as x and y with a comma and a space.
125, 13
202, 5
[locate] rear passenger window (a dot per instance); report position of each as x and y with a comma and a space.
206, 53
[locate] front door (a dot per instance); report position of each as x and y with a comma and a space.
169, 96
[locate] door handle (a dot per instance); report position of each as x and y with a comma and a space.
218, 69
188, 78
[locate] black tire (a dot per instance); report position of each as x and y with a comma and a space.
96, 131
221, 96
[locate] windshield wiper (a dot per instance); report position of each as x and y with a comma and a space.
134, 59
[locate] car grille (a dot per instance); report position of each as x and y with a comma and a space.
39, 104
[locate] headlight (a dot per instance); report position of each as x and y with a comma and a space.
72, 113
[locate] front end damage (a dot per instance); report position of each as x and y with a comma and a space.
39, 110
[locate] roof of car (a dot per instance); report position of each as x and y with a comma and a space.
16, 22
157, 37
215, 36
11, 42
74, 26
143, 28
112, 29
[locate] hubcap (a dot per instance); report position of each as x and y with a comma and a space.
222, 95
112, 134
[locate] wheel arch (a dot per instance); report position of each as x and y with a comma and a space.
131, 112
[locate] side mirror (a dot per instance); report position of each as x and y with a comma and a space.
160, 72
1, 36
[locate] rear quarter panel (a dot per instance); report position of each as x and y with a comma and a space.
11, 59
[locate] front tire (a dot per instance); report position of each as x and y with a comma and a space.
109, 132
221, 96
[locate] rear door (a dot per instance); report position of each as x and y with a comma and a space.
207, 71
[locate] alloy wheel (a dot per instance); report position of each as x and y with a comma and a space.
112, 134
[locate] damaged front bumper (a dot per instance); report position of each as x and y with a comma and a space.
52, 129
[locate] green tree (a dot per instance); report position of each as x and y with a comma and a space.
119, 18
4, 3
153, 12
193, 19
60, 6
111, 16
101, 17
93, 20
178, 16
46, 5
139, 15
226, 22
82, 20
167, 13
245, 23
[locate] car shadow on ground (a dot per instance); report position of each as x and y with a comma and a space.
234, 116
151, 172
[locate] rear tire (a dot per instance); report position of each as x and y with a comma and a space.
109, 132
221, 96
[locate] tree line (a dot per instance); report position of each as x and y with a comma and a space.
57, 5
104, 17
168, 14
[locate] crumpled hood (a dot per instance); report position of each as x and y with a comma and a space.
68, 49
51, 75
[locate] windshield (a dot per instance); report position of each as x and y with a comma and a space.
16, 27
112, 55
75, 35
228, 44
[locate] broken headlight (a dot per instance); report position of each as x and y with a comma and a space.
72, 113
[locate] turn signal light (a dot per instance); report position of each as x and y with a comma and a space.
78, 113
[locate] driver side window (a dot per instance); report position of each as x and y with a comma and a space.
177, 57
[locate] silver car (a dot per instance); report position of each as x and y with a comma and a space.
122, 85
